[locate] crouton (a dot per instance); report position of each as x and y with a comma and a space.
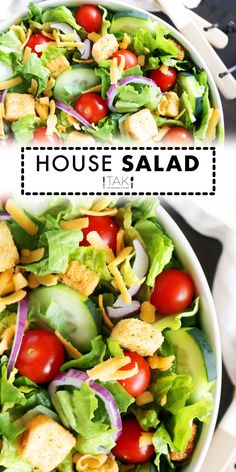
45, 443
9, 256
137, 336
169, 105
80, 278
141, 126
181, 54
185, 455
80, 139
105, 47
19, 105
58, 65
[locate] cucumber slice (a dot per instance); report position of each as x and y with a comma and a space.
130, 22
188, 83
70, 83
195, 357
62, 308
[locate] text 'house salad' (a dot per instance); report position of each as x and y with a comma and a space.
87, 74
103, 361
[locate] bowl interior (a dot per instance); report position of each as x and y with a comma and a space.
209, 325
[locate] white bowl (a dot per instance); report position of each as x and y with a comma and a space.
208, 323
119, 5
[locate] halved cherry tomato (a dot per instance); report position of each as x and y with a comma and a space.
165, 77
41, 356
127, 447
89, 17
139, 382
40, 136
178, 135
173, 292
130, 59
105, 227
91, 106
36, 39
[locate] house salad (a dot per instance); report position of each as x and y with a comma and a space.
86, 74
103, 361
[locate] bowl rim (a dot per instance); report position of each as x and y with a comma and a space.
117, 5
193, 265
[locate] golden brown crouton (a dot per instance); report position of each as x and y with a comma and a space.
168, 105
181, 49
58, 65
80, 278
8, 252
80, 139
141, 126
19, 105
137, 336
185, 455
105, 47
45, 443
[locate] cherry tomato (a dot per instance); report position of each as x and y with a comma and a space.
35, 40
89, 17
40, 136
105, 227
139, 382
127, 447
130, 59
41, 356
91, 106
173, 292
165, 77
178, 135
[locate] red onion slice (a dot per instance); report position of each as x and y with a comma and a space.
21, 319
5, 216
3, 96
112, 91
76, 378
122, 312
87, 49
73, 113
119, 303
141, 261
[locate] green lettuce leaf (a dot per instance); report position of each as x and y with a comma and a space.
174, 321
144, 40
67, 465
114, 348
34, 12
94, 259
188, 117
11, 460
57, 260
9, 394
161, 441
6, 319
51, 53
146, 418
89, 360
129, 276
158, 246
132, 97
122, 398
177, 389
183, 419
24, 127
106, 128
60, 14
10, 47
7, 428
104, 74
34, 69
162, 121
105, 22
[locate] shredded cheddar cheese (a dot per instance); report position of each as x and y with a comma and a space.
96, 88
105, 317
19, 281
27, 256
26, 55
7, 339
72, 351
48, 280
144, 398
116, 70
42, 111
161, 133
52, 120
141, 60
126, 41
76, 224
163, 400
33, 87
21, 32
110, 369
117, 275
6, 84
120, 241
44, 101
74, 122
148, 312
102, 203
27, 37
2, 113
13, 298
97, 242
212, 124
94, 37
48, 35
48, 89
161, 363
2, 307
146, 439
5, 278
21, 218
108, 212
32, 281
88, 461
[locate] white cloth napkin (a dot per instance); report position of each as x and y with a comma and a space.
217, 218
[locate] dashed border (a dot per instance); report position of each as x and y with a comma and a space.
119, 148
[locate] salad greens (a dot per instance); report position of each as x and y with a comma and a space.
89, 394
52, 68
